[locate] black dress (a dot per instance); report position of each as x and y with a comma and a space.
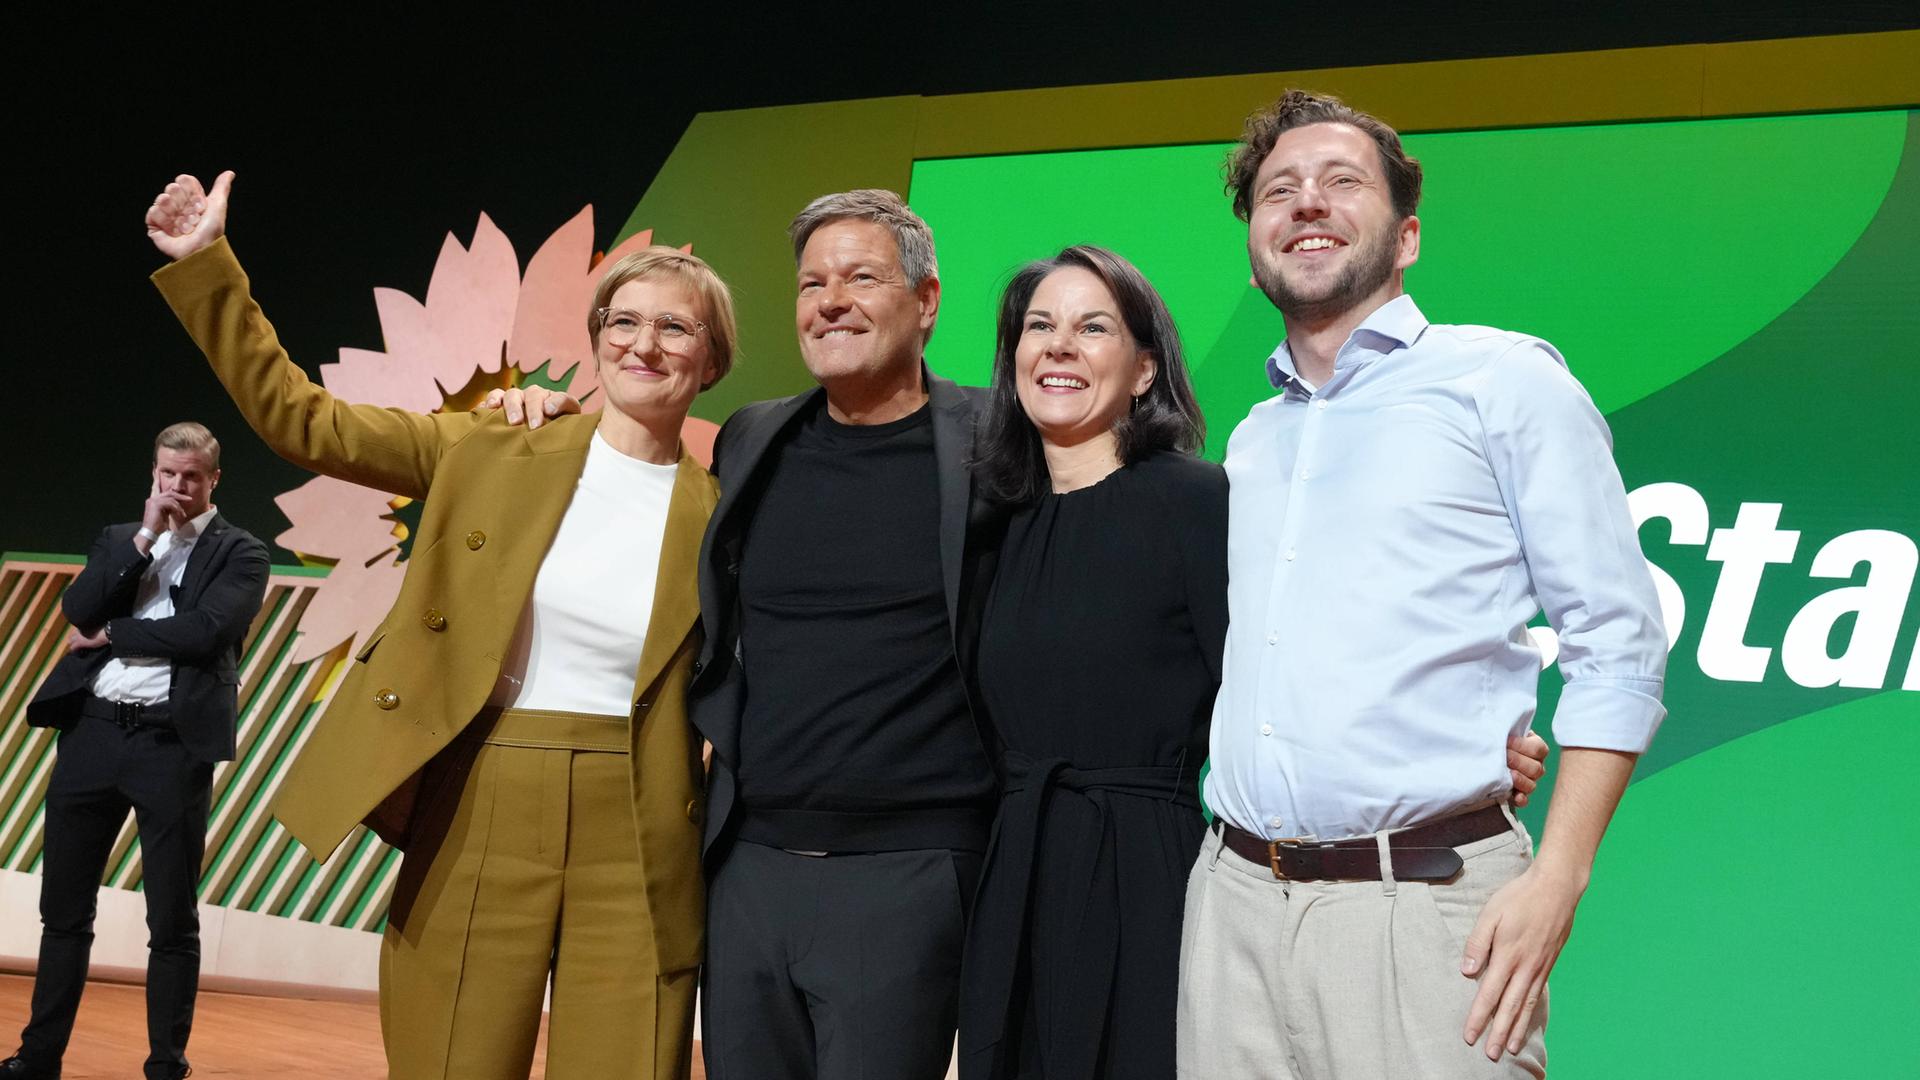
1099, 658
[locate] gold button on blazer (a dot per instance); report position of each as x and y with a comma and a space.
494, 498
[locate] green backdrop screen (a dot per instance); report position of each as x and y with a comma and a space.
1741, 299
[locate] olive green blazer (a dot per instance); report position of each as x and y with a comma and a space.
494, 498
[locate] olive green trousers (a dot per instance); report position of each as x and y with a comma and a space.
524, 863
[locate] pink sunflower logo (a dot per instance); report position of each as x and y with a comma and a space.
482, 325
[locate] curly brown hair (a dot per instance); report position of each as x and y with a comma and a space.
1298, 108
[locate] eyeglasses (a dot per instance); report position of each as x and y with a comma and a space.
621, 328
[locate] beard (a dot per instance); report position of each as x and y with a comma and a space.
1370, 266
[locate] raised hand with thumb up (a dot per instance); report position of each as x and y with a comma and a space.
186, 217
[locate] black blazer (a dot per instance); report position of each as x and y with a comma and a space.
717, 695
219, 593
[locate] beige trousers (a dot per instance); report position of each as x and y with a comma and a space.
525, 862
1338, 980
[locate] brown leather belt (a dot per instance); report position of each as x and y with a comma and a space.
1421, 853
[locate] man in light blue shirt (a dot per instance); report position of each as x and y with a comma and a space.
1401, 508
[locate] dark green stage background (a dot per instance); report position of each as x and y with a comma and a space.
1741, 299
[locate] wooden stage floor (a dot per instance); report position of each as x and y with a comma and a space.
234, 1035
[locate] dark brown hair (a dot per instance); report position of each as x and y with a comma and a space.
1008, 459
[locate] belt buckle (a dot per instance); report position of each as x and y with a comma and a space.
1273, 852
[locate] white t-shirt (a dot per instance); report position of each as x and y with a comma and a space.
578, 645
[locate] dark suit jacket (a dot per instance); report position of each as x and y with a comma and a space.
219, 594
718, 693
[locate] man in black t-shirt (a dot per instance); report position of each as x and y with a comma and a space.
851, 788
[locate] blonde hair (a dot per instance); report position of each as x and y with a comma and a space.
682, 268
187, 435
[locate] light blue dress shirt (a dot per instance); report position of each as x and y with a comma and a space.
1391, 534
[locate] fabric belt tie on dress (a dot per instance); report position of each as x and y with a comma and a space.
1420, 852
993, 952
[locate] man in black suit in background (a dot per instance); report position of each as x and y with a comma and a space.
146, 701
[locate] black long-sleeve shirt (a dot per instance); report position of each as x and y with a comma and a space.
857, 733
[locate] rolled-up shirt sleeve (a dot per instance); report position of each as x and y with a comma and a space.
1552, 454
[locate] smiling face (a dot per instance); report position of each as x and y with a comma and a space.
1323, 236
1077, 368
650, 378
859, 320
187, 473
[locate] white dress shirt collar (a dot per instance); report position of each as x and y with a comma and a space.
190, 531
1393, 325
147, 680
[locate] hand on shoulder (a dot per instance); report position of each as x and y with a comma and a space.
529, 405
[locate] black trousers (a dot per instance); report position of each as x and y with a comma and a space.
100, 772
834, 967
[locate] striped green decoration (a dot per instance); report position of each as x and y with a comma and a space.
252, 863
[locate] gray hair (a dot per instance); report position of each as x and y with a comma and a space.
878, 205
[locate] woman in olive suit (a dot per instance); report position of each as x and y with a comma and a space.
517, 724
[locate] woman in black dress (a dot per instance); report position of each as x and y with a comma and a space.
1098, 660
